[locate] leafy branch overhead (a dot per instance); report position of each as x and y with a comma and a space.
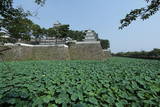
6, 6
142, 13
14, 21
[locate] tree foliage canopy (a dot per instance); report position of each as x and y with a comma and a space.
154, 54
142, 13
8, 4
64, 31
16, 24
14, 21
77, 35
6, 7
105, 44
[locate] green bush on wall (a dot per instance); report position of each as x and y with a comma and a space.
105, 44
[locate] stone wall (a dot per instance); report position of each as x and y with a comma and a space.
82, 51
36, 53
87, 51
107, 53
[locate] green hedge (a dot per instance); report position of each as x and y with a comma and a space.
154, 54
105, 44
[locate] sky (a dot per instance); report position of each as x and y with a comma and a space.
103, 16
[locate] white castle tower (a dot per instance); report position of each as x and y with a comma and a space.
91, 36
57, 24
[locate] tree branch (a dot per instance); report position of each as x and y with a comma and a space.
142, 13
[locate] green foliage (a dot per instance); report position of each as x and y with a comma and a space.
40, 2
14, 20
58, 31
6, 5
51, 32
37, 31
6, 40
105, 44
16, 24
154, 54
115, 82
64, 31
142, 13
76, 35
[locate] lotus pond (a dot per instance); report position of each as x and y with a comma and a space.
116, 82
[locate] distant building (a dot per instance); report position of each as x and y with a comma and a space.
6, 39
51, 41
57, 24
5, 36
91, 36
